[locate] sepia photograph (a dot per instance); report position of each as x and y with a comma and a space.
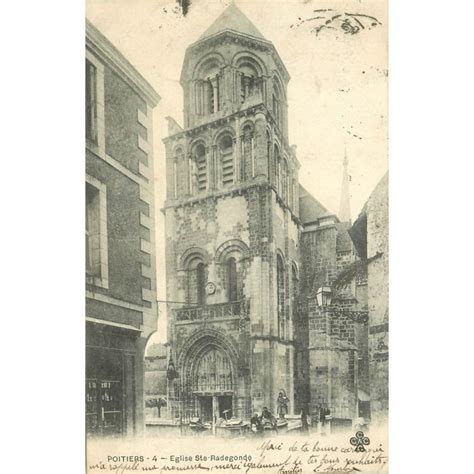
274, 233
236, 235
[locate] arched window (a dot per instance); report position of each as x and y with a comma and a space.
295, 286
197, 279
277, 167
284, 180
269, 155
207, 88
226, 151
232, 280
178, 170
248, 159
281, 297
210, 105
200, 168
201, 279
295, 193
251, 83
276, 103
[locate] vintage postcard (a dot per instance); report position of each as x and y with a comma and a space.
236, 236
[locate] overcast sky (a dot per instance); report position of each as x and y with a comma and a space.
337, 95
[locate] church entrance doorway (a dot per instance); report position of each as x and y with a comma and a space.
225, 407
213, 407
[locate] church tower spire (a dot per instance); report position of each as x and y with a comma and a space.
345, 205
232, 208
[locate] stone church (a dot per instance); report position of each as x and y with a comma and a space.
251, 257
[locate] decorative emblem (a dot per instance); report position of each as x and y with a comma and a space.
210, 288
359, 441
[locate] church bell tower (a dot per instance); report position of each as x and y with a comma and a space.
232, 231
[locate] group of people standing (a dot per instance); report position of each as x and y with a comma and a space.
258, 422
318, 419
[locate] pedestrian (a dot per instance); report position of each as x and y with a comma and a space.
322, 415
282, 404
304, 421
256, 423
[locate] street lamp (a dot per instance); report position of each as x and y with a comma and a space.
324, 296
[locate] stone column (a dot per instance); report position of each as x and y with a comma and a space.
234, 161
243, 170
215, 95
208, 168
260, 146
189, 174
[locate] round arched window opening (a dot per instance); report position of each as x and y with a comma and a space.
226, 150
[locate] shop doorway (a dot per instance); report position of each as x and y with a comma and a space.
104, 393
103, 407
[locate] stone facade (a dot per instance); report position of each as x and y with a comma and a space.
247, 248
377, 244
370, 236
121, 310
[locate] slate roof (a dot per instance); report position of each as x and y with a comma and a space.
343, 239
232, 19
310, 208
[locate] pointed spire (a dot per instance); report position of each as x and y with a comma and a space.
232, 18
345, 206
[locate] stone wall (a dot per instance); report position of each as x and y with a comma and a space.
121, 305
377, 242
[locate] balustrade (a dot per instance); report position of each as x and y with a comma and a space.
234, 309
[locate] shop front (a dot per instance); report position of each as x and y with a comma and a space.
112, 382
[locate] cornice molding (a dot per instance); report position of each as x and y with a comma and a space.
226, 36
105, 50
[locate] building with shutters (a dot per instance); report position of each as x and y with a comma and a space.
251, 256
121, 308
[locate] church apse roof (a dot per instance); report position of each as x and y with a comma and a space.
233, 19
310, 208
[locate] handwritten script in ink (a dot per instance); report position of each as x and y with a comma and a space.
269, 456
329, 19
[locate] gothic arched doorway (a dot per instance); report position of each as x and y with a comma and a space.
213, 384
210, 386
